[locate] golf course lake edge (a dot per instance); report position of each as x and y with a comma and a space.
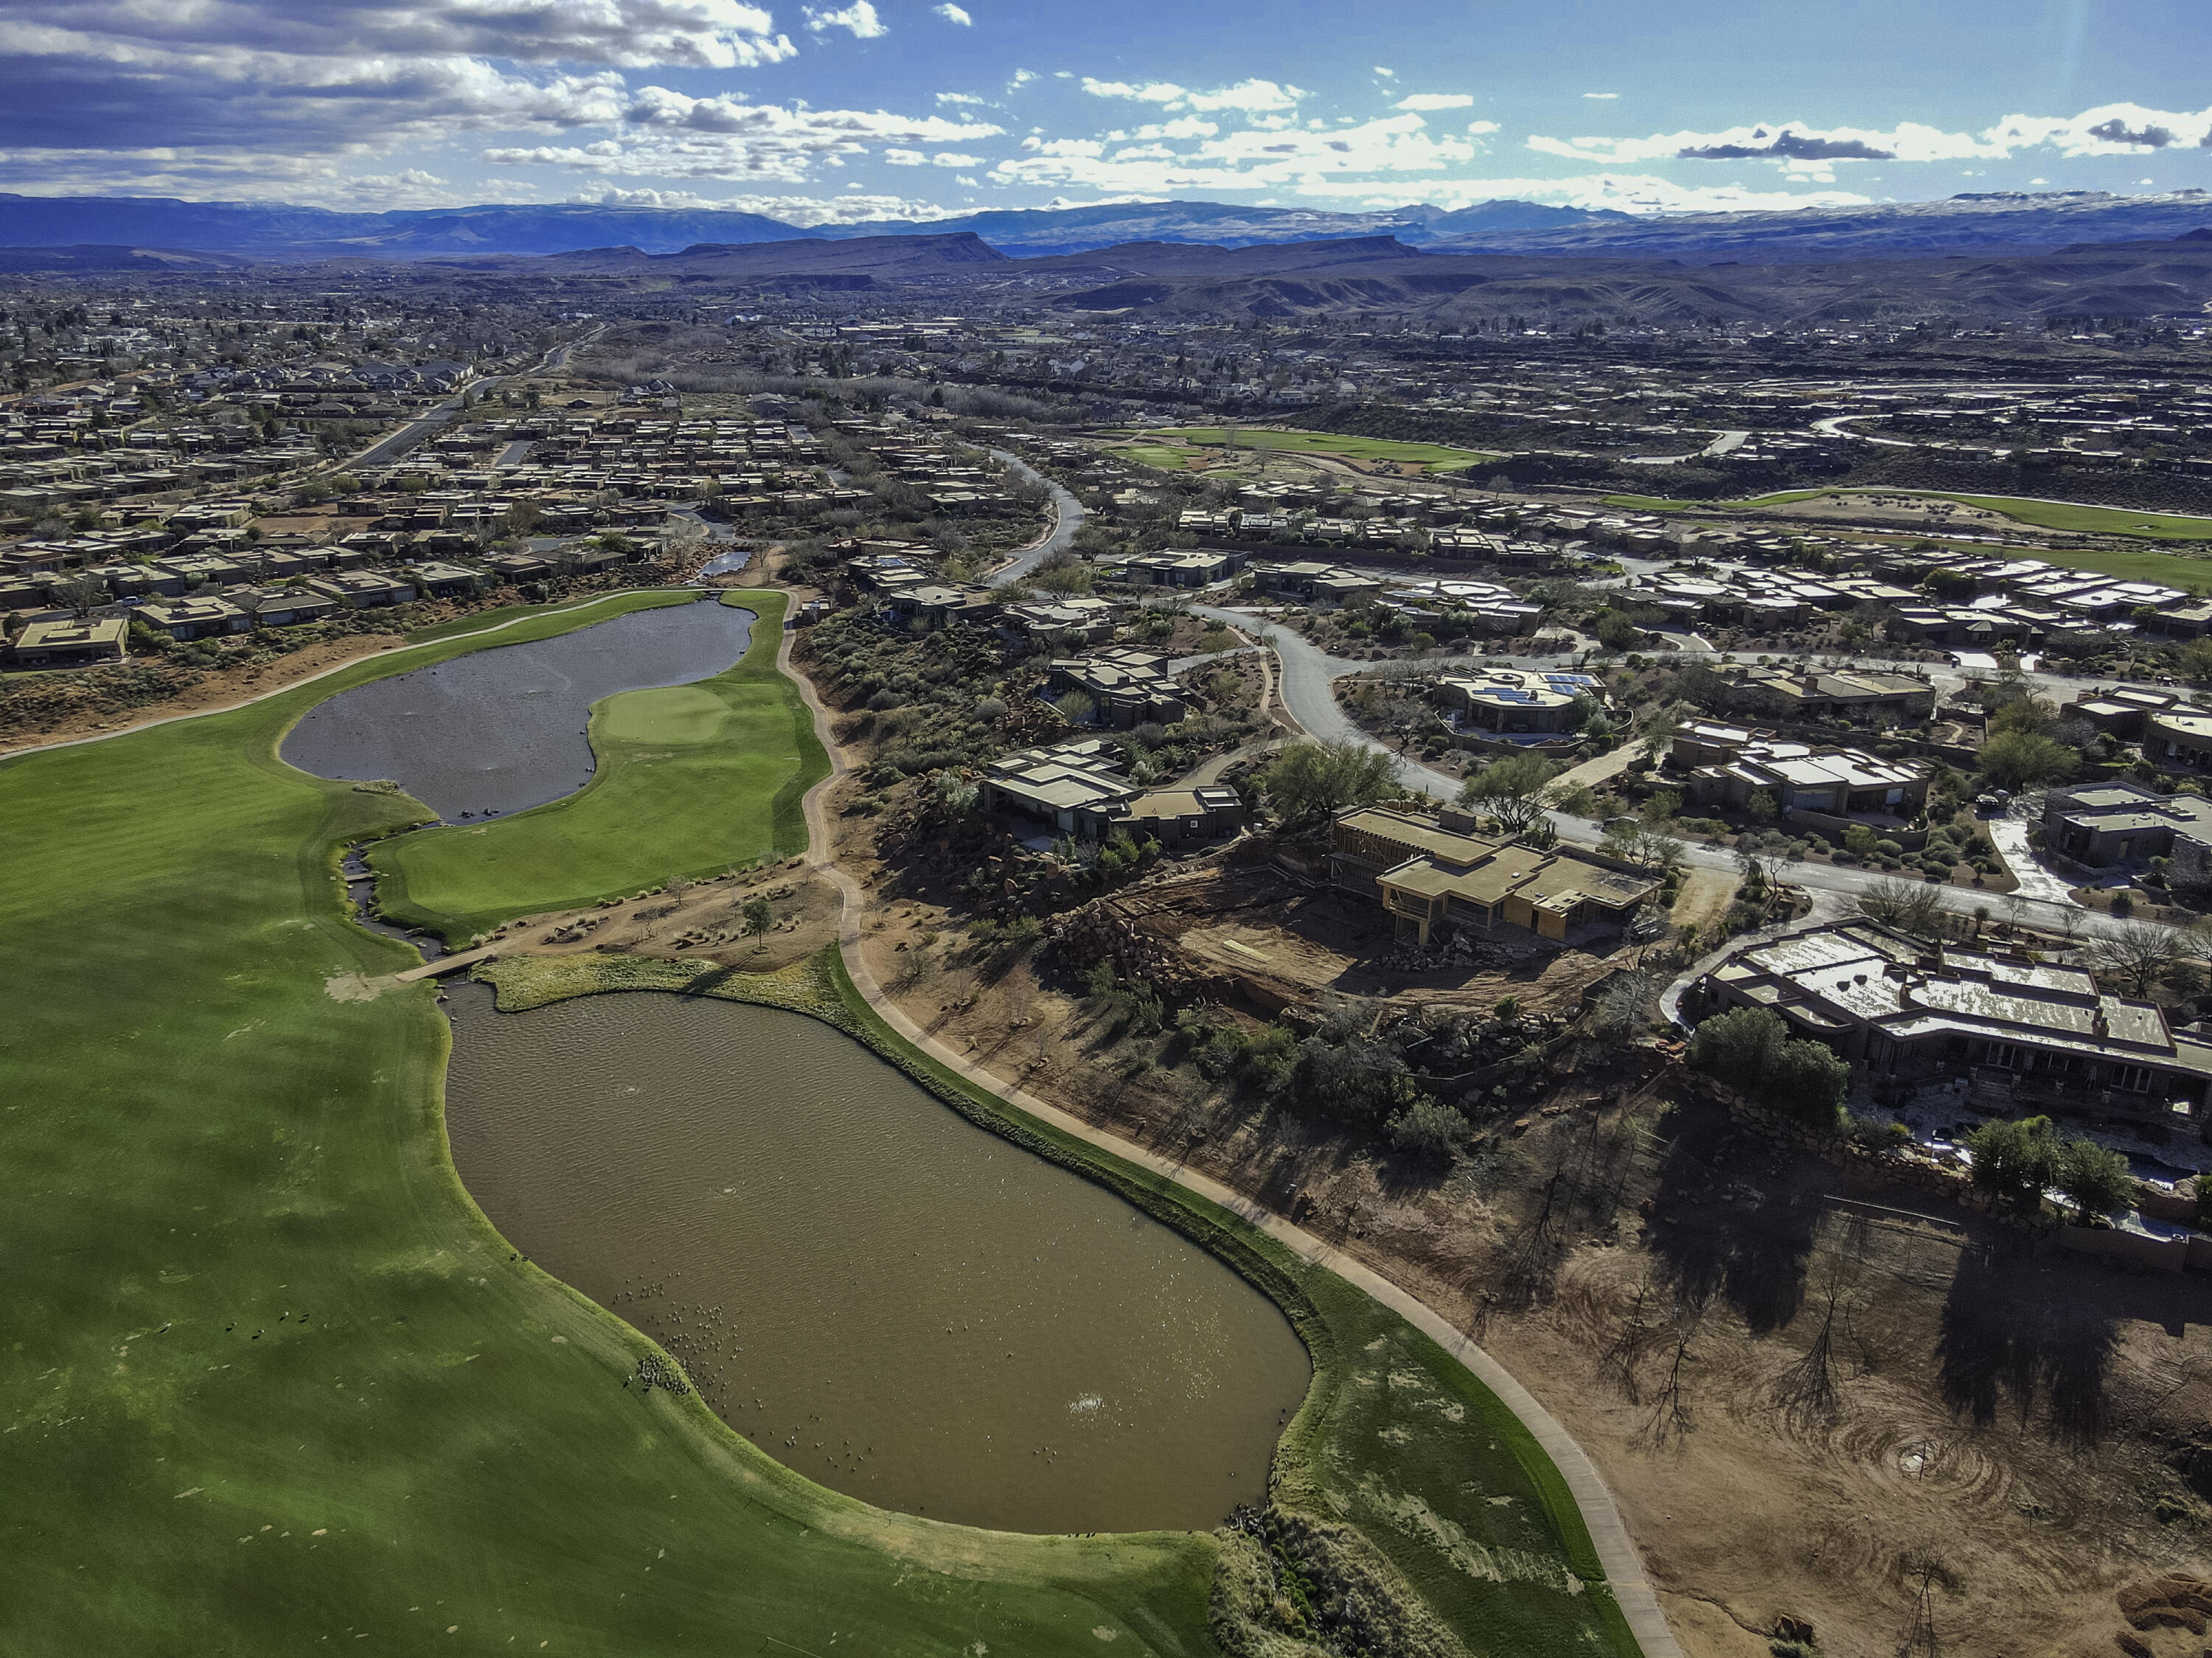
883, 1295
501, 730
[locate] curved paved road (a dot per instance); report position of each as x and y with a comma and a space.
1308, 678
1068, 515
1616, 1549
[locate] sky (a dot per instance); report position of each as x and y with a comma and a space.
837, 113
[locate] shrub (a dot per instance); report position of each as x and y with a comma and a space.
1427, 1127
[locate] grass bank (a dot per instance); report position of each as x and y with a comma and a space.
692, 780
1396, 1438
1434, 457
271, 1379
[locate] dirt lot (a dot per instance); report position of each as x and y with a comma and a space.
1890, 1428
704, 922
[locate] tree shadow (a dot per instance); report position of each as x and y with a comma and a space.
1716, 1237
2016, 1337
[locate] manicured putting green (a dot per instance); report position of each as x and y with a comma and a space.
692, 780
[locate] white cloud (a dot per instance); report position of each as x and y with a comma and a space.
1638, 193
1022, 78
1601, 94
859, 18
807, 211
952, 13
1247, 159
949, 158
668, 134
1436, 100
1387, 73
610, 33
2108, 129
1253, 97
897, 157
1482, 129
967, 99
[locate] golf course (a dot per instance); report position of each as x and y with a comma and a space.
274, 1381
1155, 451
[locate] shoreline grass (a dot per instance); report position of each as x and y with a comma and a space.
1375, 1443
690, 779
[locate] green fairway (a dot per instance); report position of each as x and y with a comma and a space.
1434, 457
1163, 456
692, 780
271, 1376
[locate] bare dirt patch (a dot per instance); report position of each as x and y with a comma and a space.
703, 922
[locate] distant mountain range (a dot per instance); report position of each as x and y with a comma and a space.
279, 232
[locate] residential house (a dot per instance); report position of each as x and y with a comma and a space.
194, 618
1434, 878
70, 644
2028, 1035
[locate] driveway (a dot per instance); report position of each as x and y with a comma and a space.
2009, 835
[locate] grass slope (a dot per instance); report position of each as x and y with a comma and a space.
1435, 457
271, 1379
692, 780
1395, 1437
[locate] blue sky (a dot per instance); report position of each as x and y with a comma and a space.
909, 108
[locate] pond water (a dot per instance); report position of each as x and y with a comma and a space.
891, 1301
500, 730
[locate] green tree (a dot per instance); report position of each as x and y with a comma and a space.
2095, 1179
2015, 1161
1614, 631
1739, 1045
1428, 1128
1309, 780
1751, 1049
1515, 793
2020, 759
760, 920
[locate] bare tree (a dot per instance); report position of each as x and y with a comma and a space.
2139, 955
1909, 905
80, 590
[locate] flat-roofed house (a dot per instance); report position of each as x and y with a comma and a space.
1511, 702
1070, 786
1834, 782
1434, 879
194, 618
71, 644
2102, 825
363, 590
2030, 1035
1126, 686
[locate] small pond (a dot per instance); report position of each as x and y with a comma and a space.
501, 730
879, 1294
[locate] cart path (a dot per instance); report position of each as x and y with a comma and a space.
1616, 1549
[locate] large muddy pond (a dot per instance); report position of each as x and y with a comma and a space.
500, 730
882, 1295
